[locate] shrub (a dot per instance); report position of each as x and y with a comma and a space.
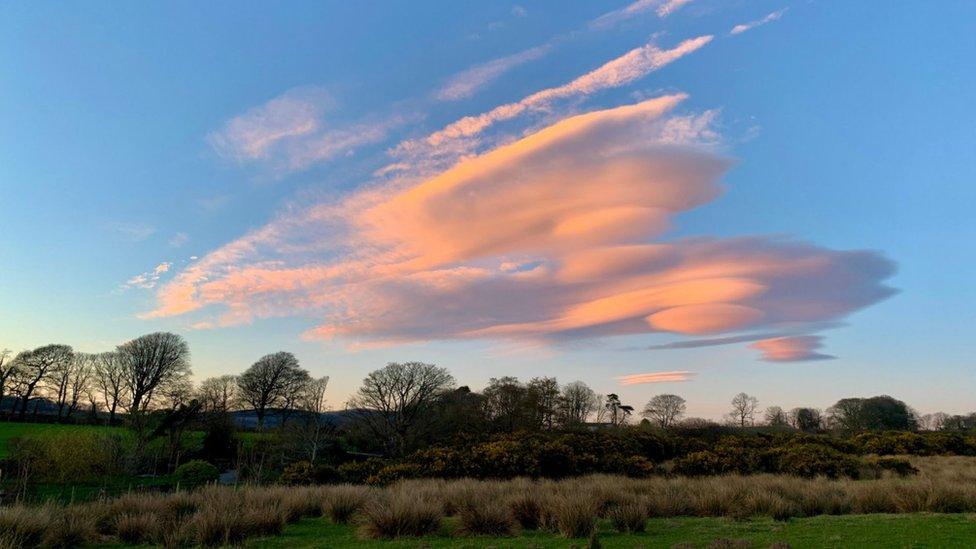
899, 466
195, 473
400, 515
326, 474
75, 456
699, 463
394, 472
356, 472
342, 502
810, 460
487, 517
300, 472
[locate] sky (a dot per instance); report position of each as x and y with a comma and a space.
697, 197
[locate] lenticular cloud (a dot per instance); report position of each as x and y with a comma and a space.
555, 236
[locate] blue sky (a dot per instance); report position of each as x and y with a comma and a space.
133, 136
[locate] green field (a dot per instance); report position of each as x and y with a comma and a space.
861, 531
10, 430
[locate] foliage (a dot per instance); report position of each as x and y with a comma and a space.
72, 455
195, 473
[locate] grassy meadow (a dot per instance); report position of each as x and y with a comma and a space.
931, 509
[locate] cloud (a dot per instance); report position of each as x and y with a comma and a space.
466, 83
289, 133
739, 29
556, 236
710, 342
519, 11
791, 348
657, 377
627, 68
662, 8
149, 279
132, 231
179, 239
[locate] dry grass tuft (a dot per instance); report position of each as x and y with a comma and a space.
341, 503
400, 515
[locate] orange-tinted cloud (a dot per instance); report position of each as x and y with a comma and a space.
555, 236
791, 348
657, 377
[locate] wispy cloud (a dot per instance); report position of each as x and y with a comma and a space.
657, 377
551, 237
132, 231
149, 279
662, 8
622, 70
289, 133
179, 239
791, 349
741, 28
466, 83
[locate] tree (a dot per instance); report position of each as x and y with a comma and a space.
617, 412
218, 394
79, 382
808, 420
505, 403
743, 409
7, 368
543, 402
877, 413
665, 409
110, 376
314, 431
149, 363
576, 402
35, 366
272, 381
395, 400
776, 417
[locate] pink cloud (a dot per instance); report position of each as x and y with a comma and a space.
662, 8
555, 236
627, 68
466, 83
741, 28
657, 377
791, 348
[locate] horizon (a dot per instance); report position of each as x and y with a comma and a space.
674, 196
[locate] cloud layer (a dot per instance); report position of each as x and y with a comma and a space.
791, 349
555, 236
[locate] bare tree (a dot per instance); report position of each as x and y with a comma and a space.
35, 366
806, 419
933, 422
314, 432
577, 401
743, 409
79, 382
274, 380
665, 409
218, 394
394, 400
776, 417
150, 362
110, 376
7, 368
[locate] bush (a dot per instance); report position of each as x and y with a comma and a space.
394, 472
899, 466
195, 473
811, 460
76, 456
326, 474
298, 473
400, 515
356, 472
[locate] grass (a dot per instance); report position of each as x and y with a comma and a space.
11, 430
862, 531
